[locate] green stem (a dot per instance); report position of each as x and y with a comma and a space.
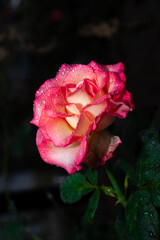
120, 195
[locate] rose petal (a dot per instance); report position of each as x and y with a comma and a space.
77, 73
73, 121
48, 100
83, 125
101, 75
95, 109
122, 76
44, 87
114, 85
104, 121
80, 97
68, 157
58, 131
38, 106
120, 107
100, 148
72, 109
119, 67
90, 87
100, 94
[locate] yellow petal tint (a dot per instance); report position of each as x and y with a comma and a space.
99, 95
58, 131
92, 111
72, 120
80, 97
83, 125
72, 109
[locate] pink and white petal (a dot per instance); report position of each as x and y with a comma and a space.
87, 118
59, 131
55, 111
37, 110
95, 109
101, 75
63, 71
58, 95
80, 97
83, 125
45, 86
127, 99
114, 85
48, 100
70, 88
114, 142
68, 157
39, 105
53, 106
118, 109
100, 94
39, 138
120, 106
119, 67
101, 146
78, 73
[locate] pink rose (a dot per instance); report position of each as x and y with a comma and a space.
73, 110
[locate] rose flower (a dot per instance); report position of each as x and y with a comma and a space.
73, 110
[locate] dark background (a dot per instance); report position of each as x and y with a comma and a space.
36, 38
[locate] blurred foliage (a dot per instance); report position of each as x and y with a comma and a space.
13, 230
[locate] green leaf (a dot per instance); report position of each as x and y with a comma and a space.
149, 159
92, 176
108, 191
155, 194
142, 217
74, 187
92, 206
